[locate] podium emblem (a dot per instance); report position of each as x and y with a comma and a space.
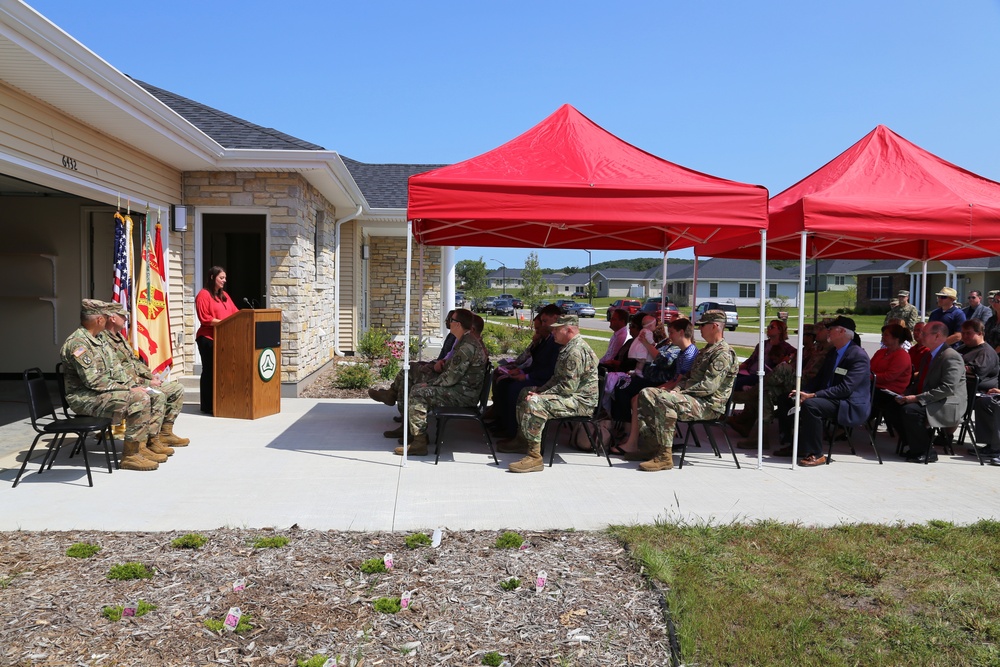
267, 363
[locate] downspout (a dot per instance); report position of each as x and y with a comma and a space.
336, 280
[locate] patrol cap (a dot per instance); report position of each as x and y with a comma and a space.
893, 302
92, 307
845, 322
570, 320
903, 292
114, 308
948, 292
993, 292
712, 317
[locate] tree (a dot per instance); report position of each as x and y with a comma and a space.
462, 269
591, 290
474, 278
533, 285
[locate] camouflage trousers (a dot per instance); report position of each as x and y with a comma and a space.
172, 398
532, 415
422, 399
659, 412
777, 383
142, 412
419, 372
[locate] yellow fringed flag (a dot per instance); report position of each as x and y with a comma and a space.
152, 317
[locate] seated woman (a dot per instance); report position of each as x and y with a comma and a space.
670, 367
891, 366
776, 350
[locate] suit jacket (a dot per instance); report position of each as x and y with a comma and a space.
945, 394
851, 386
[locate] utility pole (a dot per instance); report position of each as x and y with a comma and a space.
503, 289
590, 276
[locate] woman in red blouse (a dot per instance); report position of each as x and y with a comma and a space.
212, 305
891, 364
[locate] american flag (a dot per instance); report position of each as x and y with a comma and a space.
123, 262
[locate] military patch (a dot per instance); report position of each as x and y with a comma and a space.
86, 360
78, 351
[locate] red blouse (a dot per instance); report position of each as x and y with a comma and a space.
892, 369
209, 308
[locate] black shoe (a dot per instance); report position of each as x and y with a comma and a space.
930, 457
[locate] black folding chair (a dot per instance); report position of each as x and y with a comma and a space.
849, 430
589, 423
109, 437
444, 414
968, 428
45, 422
707, 426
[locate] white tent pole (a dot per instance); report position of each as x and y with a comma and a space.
420, 306
798, 356
760, 356
923, 294
694, 288
663, 285
406, 345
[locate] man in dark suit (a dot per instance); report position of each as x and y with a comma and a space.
935, 399
841, 391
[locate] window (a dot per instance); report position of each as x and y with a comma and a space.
772, 291
600, 285
713, 289
879, 288
748, 290
682, 289
840, 280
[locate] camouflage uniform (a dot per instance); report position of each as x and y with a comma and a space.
571, 391
99, 387
703, 395
781, 380
907, 313
459, 383
167, 404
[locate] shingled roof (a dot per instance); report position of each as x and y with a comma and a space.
384, 185
229, 131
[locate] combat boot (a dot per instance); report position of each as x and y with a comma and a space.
157, 447
516, 445
387, 396
417, 447
132, 460
532, 462
664, 460
149, 454
394, 433
167, 436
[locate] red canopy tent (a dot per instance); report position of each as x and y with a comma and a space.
569, 183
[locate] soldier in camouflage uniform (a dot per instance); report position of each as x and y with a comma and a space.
459, 384
702, 395
572, 390
904, 311
98, 387
167, 400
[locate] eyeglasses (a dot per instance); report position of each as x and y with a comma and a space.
448, 321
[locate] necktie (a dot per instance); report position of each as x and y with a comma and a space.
925, 363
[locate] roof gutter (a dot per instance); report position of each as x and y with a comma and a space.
336, 280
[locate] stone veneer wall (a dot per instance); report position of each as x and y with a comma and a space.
387, 280
299, 285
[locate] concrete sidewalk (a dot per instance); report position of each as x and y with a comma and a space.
324, 464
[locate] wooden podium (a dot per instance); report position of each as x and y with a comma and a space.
247, 364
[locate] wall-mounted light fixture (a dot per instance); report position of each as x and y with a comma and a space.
179, 218
365, 252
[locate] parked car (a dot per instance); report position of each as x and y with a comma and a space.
582, 309
579, 294
503, 307
565, 304
631, 305
484, 305
652, 306
517, 302
459, 299
732, 317
540, 305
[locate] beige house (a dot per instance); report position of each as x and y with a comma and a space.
296, 226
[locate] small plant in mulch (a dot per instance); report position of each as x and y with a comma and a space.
417, 540
5, 582
271, 542
317, 660
493, 659
216, 625
114, 614
373, 566
82, 550
354, 376
128, 571
509, 540
189, 541
387, 605
511, 584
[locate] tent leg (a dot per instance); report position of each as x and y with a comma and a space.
406, 344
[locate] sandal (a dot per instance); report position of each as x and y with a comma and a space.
616, 450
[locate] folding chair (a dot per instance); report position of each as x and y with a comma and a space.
972, 393
589, 423
849, 430
45, 422
706, 426
109, 437
443, 415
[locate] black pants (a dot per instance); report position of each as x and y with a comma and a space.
910, 421
206, 348
621, 401
814, 411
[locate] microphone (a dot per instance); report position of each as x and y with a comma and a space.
247, 302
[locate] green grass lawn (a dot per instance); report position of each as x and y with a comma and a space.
776, 594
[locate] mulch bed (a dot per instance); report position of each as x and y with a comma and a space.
310, 597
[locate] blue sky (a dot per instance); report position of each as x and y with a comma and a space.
760, 92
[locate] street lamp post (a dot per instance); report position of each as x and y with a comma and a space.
590, 276
503, 289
